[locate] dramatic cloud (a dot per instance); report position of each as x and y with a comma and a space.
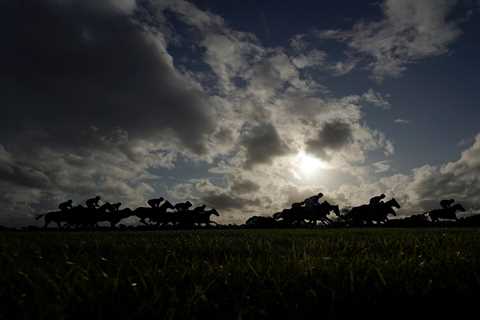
67, 69
262, 143
332, 136
93, 101
409, 31
131, 99
427, 185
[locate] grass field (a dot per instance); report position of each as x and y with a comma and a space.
241, 274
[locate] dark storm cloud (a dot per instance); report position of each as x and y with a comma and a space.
333, 136
226, 201
262, 144
242, 186
69, 65
20, 174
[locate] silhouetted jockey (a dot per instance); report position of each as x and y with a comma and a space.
375, 201
183, 206
326, 203
155, 203
93, 203
313, 200
446, 203
199, 209
65, 206
107, 206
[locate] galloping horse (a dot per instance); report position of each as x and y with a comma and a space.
260, 221
366, 214
321, 212
115, 217
204, 217
287, 216
157, 215
161, 215
56, 216
445, 213
77, 216
383, 210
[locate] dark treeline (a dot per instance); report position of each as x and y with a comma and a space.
311, 212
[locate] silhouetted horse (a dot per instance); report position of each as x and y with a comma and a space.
383, 209
157, 215
114, 217
288, 217
260, 221
366, 214
160, 214
54, 216
143, 213
320, 213
203, 217
446, 213
80, 216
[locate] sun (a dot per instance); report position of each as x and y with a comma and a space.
306, 164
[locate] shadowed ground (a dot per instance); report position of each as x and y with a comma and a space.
241, 274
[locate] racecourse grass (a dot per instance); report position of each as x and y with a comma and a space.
239, 274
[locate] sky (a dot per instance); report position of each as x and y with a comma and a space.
245, 106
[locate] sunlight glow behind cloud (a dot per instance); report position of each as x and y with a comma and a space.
305, 165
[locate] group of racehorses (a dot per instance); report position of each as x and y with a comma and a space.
310, 212
376, 213
161, 215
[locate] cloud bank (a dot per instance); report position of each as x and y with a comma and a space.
104, 96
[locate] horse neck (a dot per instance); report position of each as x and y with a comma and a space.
455, 208
390, 203
209, 212
166, 205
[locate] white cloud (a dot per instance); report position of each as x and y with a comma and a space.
409, 31
376, 99
401, 121
254, 105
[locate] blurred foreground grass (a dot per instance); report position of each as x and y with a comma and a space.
241, 274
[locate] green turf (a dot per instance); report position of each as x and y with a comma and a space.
241, 274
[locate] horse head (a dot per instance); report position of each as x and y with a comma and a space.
458, 207
277, 215
335, 210
214, 212
392, 203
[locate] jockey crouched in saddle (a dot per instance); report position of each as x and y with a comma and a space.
313, 201
376, 201
155, 203
446, 203
93, 203
183, 206
65, 206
